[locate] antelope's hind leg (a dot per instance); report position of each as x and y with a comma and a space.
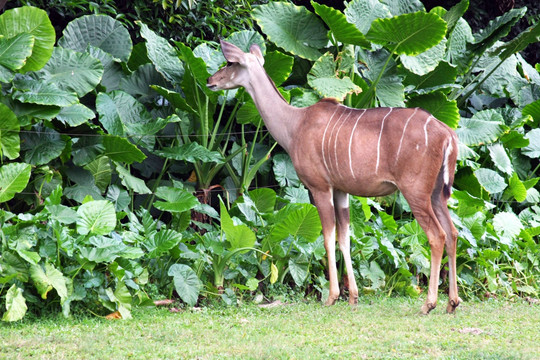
441, 210
324, 201
341, 204
424, 214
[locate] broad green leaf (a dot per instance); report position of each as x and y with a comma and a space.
520, 42
278, 66
162, 55
284, 171
496, 29
101, 171
409, 34
239, 236
507, 225
13, 179
399, 7
245, 38
388, 221
72, 71
453, 15
35, 22
186, 283
176, 99
48, 279
517, 188
119, 197
132, 182
490, 180
191, 152
483, 128
292, 28
161, 242
100, 31
122, 298
87, 149
302, 222
323, 79
113, 74
439, 106
361, 13
9, 133
120, 113
96, 217
444, 75
533, 109
456, 47
197, 69
42, 145
62, 213
425, 62
533, 149
75, 115
121, 150
15, 50
43, 93
299, 269
500, 158
176, 200
263, 199
342, 30
15, 304
373, 272
138, 83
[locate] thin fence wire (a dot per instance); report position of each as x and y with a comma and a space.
134, 136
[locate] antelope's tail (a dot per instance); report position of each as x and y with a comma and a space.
448, 167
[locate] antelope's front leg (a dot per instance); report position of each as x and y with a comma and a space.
324, 201
341, 204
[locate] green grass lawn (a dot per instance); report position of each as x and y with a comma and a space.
379, 328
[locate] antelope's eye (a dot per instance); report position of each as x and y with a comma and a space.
229, 64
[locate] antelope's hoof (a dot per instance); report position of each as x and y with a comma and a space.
452, 305
353, 301
330, 301
427, 307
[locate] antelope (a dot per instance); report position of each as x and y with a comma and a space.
337, 151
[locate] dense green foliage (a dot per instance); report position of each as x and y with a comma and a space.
113, 153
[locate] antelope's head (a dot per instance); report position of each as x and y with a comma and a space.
239, 67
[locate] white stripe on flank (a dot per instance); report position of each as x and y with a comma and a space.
403, 134
350, 143
425, 128
332, 134
335, 142
324, 136
379, 142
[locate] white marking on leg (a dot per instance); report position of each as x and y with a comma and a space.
425, 128
335, 142
324, 136
350, 143
403, 134
379, 142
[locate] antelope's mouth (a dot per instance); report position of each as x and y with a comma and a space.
212, 87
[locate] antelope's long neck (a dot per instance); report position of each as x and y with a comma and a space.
280, 118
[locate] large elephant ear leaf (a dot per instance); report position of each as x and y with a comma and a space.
35, 22
73, 71
13, 179
292, 28
409, 34
100, 31
342, 30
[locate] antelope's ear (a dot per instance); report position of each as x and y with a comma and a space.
256, 50
231, 52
